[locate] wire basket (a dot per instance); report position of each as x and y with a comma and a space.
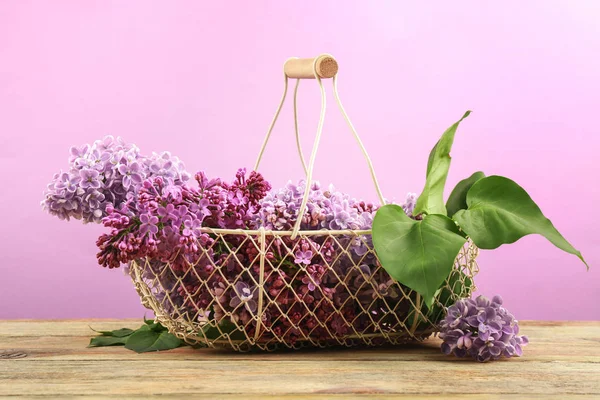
248, 292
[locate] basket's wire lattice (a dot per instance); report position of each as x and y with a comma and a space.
369, 307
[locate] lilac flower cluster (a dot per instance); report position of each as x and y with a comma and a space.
481, 329
107, 173
164, 220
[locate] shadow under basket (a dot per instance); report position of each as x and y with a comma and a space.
246, 292
254, 289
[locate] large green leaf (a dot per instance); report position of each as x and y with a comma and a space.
458, 197
501, 212
165, 341
431, 200
418, 254
146, 340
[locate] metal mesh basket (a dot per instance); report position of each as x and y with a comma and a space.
246, 292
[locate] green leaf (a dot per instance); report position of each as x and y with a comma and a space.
166, 341
116, 333
431, 200
501, 212
143, 341
101, 341
458, 197
154, 326
418, 254
149, 337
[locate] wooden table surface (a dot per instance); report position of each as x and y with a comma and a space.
562, 360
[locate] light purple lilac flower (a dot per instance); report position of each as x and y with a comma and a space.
192, 227
481, 329
244, 294
148, 224
304, 255
107, 173
132, 174
89, 179
326, 209
409, 203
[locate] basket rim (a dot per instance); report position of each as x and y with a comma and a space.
270, 232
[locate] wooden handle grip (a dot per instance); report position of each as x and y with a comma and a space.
325, 66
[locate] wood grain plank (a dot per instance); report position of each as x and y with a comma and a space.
298, 377
562, 360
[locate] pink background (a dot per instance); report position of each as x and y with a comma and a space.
202, 79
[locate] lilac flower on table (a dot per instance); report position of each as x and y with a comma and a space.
458, 342
244, 294
482, 329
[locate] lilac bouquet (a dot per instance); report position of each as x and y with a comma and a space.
481, 329
317, 288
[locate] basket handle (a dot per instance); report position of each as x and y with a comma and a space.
323, 66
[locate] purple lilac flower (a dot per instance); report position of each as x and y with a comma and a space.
67, 182
148, 224
303, 255
167, 225
94, 199
168, 212
89, 179
409, 203
107, 173
314, 275
326, 209
192, 227
244, 294
132, 174
481, 329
